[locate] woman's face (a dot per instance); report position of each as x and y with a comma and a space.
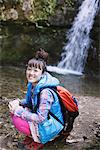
33, 74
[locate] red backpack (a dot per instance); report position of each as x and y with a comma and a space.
67, 99
69, 107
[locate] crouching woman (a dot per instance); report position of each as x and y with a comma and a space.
36, 115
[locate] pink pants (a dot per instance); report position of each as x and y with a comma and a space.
21, 125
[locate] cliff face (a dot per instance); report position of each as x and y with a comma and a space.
52, 12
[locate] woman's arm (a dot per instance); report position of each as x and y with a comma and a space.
46, 100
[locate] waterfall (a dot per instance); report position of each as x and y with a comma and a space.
75, 52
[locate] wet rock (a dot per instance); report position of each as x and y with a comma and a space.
70, 141
97, 129
85, 138
97, 134
4, 100
26, 6
1, 125
13, 14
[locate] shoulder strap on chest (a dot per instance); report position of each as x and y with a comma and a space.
38, 96
38, 101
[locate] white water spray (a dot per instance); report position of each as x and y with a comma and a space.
76, 50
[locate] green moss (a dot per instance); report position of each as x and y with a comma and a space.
34, 11
42, 9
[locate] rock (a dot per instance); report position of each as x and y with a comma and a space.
1, 125
4, 100
70, 141
13, 14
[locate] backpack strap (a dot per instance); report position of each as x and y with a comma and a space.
38, 103
55, 117
63, 109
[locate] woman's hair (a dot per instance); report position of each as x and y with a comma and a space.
40, 60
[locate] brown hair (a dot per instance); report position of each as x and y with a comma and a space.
40, 60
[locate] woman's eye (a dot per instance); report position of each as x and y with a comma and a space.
28, 69
36, 70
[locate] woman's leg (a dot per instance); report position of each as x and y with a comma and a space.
21, 125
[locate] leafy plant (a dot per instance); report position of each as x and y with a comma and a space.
42, 9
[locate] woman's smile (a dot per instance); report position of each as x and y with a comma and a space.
33, 74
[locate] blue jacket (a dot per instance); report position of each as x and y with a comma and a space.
46, 81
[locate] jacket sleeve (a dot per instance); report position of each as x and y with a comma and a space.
23, 101
46, 100
27, 100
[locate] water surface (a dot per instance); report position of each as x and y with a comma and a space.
13, 83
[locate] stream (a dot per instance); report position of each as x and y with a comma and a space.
13, 83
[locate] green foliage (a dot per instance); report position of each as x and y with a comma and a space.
42, 9
33, 10
69, 3
12, 2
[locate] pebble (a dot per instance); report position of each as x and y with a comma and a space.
70, 141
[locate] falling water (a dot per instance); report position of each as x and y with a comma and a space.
76, 50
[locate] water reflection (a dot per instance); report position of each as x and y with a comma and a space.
81, 85
13, 83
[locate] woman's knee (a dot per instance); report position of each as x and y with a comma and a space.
21, 125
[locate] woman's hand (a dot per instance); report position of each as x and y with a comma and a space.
26, 114
19, 110
13, 105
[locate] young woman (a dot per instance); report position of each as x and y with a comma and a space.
35, 111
